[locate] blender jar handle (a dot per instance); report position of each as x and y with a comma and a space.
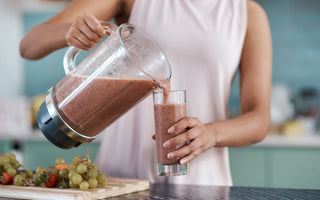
72, 52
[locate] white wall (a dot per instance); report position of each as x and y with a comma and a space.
10, 61
11, 32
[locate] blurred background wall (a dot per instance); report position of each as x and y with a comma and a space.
288, 157
295, 28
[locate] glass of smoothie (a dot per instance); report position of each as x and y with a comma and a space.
169, 107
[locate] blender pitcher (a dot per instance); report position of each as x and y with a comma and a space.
120, 72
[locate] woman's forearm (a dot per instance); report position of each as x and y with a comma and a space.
246, 129
43, 39
249, 128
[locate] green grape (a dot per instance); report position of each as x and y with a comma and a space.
71, 167
29, 173
55, 172
93, 183
63, 173
81, 168
41, 174
7, 166
71, 173
40, 169
76, 179
101, 176
72, 185
23, 174
92, 173
103, 183
4, 160
60, 161
102, 179
36, 180
63, 183
15, 164
95, 166
12, 171
11, 156
19, 180
76, 160
84, 185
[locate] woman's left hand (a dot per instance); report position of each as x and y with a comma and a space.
196, 137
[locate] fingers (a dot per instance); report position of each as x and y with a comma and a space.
94, 24
190, 157
191, 136
183, 123
181, 138
85, 32
188, 152
186, 123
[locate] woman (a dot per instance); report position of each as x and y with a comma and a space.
206, 42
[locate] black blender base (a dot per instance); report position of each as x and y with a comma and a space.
52, 131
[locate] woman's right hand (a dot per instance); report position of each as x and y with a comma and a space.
85, 32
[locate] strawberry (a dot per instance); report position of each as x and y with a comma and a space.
6, 178
51, 181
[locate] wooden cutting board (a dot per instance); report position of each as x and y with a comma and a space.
115, 187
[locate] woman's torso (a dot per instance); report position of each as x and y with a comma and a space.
203, 42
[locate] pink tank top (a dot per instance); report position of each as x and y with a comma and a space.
203, 41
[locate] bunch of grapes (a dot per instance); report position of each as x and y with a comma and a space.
10, 171
80, 174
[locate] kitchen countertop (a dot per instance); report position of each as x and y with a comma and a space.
280, 140
170, 192
166, 192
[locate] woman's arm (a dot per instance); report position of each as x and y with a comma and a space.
255, 84
51, 35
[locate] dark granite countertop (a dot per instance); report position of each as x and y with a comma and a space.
170, 192
185, 192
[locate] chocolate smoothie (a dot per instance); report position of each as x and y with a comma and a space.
90, 105
166, 115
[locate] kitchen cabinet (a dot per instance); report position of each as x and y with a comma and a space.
4, 146
43, 153
296, 168
36, 151
276, 166
249, 166
286, 164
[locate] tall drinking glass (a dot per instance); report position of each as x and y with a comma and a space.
169, 107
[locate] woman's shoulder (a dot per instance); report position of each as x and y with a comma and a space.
255, 11
257, 16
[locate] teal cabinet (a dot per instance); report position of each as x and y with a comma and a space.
4, 146
248, 166
257, 166
39, 152
296, 167
285, 167
43, 153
